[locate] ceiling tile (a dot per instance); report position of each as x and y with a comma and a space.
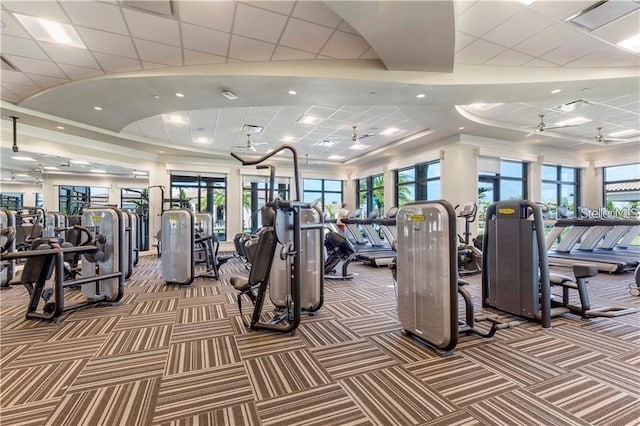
344, 26
283, 7
509, 58
478, 52
8, 95
622, 29
548, 39
159, 53
22, 47
36, 66
69, 55
345, 46
16, 77
491, 13
305, 36
517, 29
192, 57
316, 12
463, 40
258, 23
574, 50
250, 50
560, 10
370, 54
42, 9
608, 58
287, 54
96, 15
113, 63
79, 73
104, 42
151, 27
152, 65
45, 82
205, 40
537, 62
153, 128
20, 90
211, 14
11, 26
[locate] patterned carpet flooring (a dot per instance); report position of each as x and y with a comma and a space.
171, 355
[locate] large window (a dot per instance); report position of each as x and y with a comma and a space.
370, 194
12, 200
560, 189
622, 187
73, 198
328, 191
202, 194
509, 184
419, 182
255, 193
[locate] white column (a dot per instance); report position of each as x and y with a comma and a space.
389, 189
234, 203
459, 177
534, 180
158, 176
591, 187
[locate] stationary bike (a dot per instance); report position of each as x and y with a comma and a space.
469, 256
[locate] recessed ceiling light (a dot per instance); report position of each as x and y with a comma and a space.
97, 171
202, 140
292, 92
97, 108
537, 140
22, 158
484, 106
269, 151
175, 119
372, 93
573, 121
22, 175
156, 96
78, 162
390, 131
527, 2
51, 31
180, 95
586, 89
554, 91
60, 127
160, 152
631, 43
420, 95
310, 119
461, 128
288, 139
336, 157
358, 147
50, 168
139, 172
326, 143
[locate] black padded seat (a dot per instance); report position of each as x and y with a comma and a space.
584, 270
239, 283
558, 279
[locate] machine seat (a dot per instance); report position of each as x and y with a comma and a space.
584, 270
240, 283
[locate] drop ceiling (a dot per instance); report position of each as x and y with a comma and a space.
349, 63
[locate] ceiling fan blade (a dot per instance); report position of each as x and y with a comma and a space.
252, 148
561, 127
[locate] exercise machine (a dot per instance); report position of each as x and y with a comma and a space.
516, 277
102, 280
8, 243
339, 249
178, 246
284, 223
634, 288
427, 278
469, 256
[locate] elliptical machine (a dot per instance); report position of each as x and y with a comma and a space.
469, 256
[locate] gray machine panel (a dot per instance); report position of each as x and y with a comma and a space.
312, 262
106, 221
178, 263
427, 272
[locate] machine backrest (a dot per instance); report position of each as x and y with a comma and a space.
263, 258
40, 267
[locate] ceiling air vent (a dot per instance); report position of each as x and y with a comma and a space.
7, 66
573, 106
164, 7
602, 13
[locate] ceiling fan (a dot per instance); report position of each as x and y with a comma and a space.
600, 137
542, 126
357, 138
248, 146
